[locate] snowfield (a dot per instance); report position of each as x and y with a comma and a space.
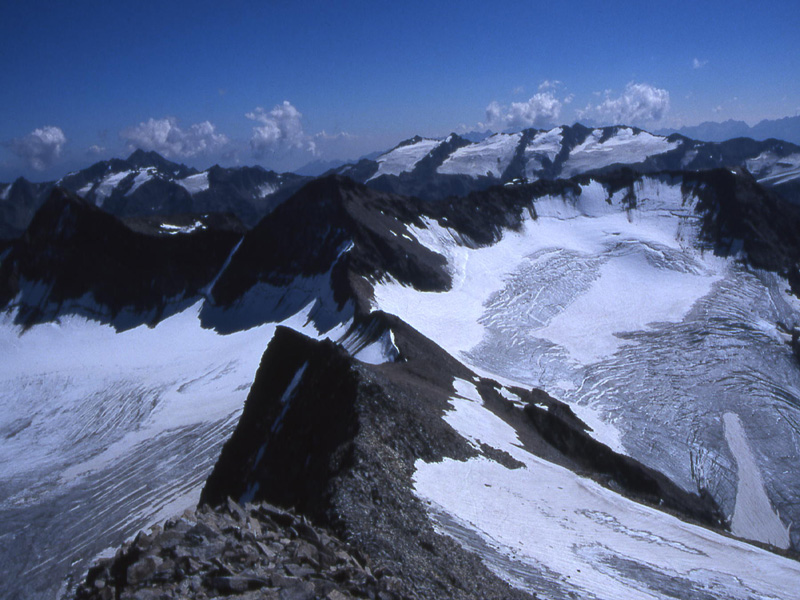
771, 169
194, 183
545, 145
546, 530
141, 178
651, 339
107, 185
403, 159
105, 433
489, 157
625, 147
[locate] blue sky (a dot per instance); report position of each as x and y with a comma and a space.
283, 83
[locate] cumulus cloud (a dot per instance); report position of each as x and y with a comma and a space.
41, 147
638, 103
699, 64
549, 84
168, 139
95, 150
541, 110
280, 129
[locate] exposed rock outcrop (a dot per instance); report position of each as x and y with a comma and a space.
256, 551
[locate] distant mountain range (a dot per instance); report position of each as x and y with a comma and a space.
787, 129
146, 184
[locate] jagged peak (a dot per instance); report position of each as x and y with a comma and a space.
141, 159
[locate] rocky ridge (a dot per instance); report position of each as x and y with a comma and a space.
256, 551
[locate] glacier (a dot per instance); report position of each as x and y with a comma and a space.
621, 310
108, 432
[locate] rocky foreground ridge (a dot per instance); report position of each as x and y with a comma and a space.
255, 551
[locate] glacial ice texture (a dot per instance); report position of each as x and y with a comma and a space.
626, 316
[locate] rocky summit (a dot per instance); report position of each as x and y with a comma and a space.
258, 551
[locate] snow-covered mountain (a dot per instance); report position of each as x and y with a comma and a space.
146, 184
577, 387
434, 169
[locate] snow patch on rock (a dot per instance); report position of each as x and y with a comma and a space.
194, 183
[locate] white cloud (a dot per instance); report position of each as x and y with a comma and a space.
168, 139
699, 64
332, 137
41, 147
638, 103
549, 84
281, 129
95, 150
541, 110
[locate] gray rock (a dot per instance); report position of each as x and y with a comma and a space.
143, 569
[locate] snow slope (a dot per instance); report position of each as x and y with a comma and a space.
624, 147
622, 314
770, 169
404, 158
106, 433
544, 145
107, 185
141, 178
489, 157
546, 530
194, 183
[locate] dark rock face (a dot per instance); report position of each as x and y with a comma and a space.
337, 439
253, 551
739, 213
73, 252
304, 435
250, 193
22, 200
337, 215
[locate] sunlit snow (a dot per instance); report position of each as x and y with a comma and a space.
194, 183
544, 145
174, 229
141, 178
753, 518
266, 190
623, 147
404, 158
546, 530
622, 313
107, 186
489, 157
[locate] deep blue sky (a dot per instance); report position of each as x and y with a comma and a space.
369, 74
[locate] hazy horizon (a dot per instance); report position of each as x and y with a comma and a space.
281, 85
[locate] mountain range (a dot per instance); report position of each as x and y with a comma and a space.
431, 169
786, 128
546, 364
